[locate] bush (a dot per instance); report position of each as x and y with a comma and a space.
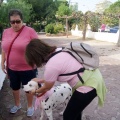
36, 27
54, 28
49, 28
58, 28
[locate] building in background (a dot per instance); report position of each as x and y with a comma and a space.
101, 6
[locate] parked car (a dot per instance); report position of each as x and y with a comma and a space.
107, 28
114, 29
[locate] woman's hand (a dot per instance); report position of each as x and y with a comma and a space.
44, 88
3, 67
33, 92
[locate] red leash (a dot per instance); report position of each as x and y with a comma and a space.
40, 94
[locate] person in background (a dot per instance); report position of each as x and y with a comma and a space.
18, 70
103, 26
38, 52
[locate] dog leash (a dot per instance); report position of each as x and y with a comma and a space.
38, 100
37, 94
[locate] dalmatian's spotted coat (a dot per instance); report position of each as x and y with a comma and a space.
61, 94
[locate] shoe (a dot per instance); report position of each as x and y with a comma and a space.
30, 111
14, 109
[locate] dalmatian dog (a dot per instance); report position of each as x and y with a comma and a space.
57, 95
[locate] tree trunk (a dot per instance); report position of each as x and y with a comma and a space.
85, 25
67, 27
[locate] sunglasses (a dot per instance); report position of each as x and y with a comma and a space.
15, 21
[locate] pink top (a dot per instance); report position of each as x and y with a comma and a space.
103, 26
65, 63
17, 58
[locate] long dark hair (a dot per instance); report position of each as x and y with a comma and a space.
37, 52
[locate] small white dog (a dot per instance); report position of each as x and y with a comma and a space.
57, 95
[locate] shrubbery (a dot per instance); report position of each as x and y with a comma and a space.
36, 27
54, 28
49, 28
58, 28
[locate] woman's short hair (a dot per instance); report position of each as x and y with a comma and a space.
37, 52
15, 12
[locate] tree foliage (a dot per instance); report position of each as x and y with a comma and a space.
111, 12
77, 20
94, 22
64, 9
38, 13
43, 10
114, 8
1, 1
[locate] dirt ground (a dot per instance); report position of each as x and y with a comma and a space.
110, 68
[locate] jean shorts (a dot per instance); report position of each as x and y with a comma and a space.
19, 78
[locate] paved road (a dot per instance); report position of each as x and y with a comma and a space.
109, 66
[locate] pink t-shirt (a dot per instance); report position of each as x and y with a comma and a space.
17, 58
63, 63
103, 27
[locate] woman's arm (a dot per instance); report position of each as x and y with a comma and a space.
3, 62
46, 86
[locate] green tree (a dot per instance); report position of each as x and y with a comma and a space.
42, 9
64, 9
77, 19
94, 21
1, 2
43, 12
111, 12
65, 13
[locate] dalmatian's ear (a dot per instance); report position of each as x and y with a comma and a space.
39, 85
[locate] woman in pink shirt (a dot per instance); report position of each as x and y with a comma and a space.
38, 53
18, 69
